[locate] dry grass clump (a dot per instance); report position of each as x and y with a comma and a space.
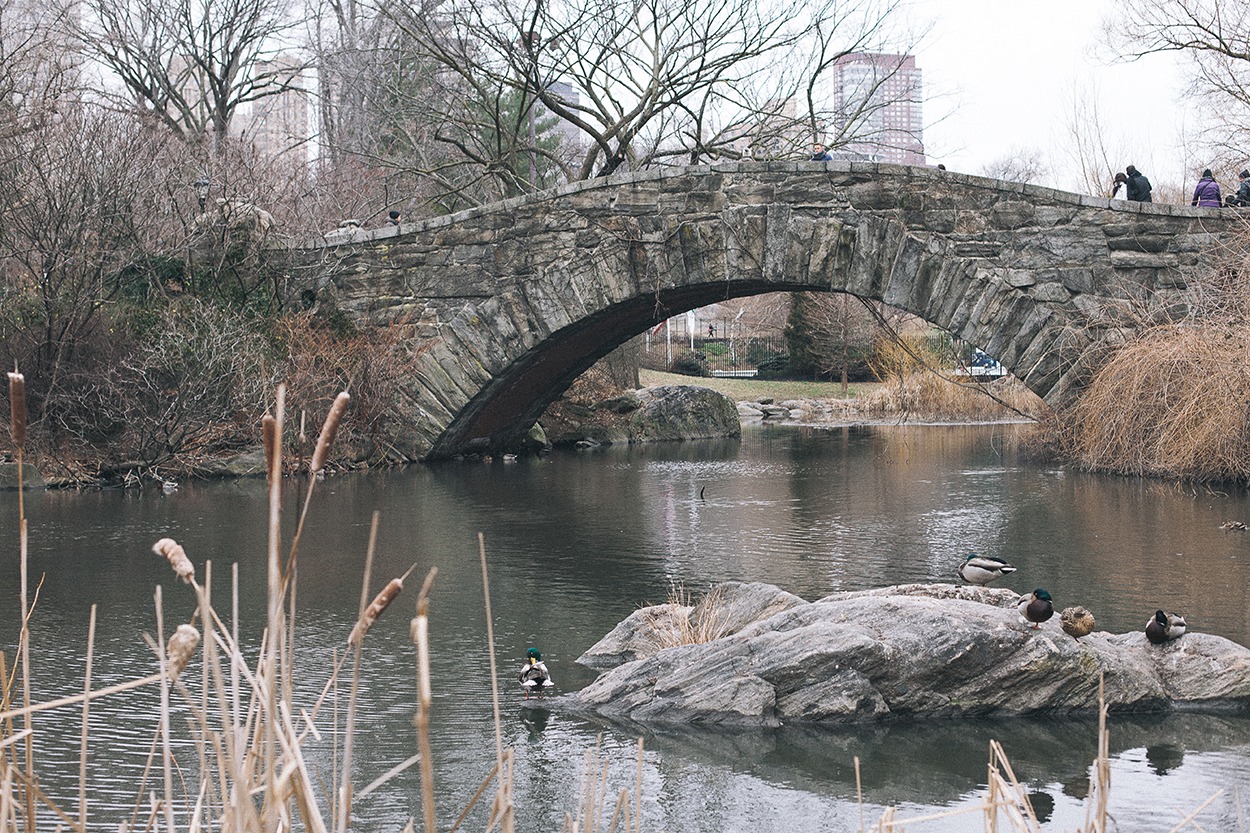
688, 621
1174, 403
915, 388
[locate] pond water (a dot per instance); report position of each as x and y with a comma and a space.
575, 541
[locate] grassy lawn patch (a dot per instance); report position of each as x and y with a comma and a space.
753, 389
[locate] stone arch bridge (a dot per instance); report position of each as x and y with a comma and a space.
502, 307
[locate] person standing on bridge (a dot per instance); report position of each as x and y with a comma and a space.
819, 154
1242, 198
1138, 185
1119, 188
1207, 192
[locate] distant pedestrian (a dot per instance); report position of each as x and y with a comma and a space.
1207, 192
392, 217
941, 167
1138, 185
819, 154
1119, 188
1242, 198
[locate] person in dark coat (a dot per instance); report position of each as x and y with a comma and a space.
1242, 198
1207, 192
1138, 185
819, 154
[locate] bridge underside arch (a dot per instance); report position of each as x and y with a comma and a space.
510, 403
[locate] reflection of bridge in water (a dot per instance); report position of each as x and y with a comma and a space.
508, 303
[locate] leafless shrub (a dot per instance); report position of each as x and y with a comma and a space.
1175, 402
322, 359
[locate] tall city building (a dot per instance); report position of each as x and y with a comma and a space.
278, 124
877, 101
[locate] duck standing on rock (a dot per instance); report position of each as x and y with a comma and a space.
1164, 627
1036, 607
534, 675
982, 569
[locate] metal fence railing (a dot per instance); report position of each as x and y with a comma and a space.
739, 356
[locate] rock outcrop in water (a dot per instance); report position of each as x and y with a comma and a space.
906, 651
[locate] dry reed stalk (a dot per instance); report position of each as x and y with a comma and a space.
329, 429
503, 795
17, 409
477, 796
344, 806
167, 758
274, 622
420, 632
82, 748
859, 795
638, 790
302, 788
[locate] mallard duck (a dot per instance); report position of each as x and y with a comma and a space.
1163, 627
534, 675
1077, 621
1036, 607
982, 569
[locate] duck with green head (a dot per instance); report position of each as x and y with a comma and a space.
1164, 627
534, 676
982, 569
1036, 607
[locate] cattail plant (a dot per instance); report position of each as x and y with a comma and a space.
376, 607
181, 648
172, 551
328, 430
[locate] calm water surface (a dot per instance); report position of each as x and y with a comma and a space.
576, 541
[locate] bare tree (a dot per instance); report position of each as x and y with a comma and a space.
1020, 165
84, 220
633, 84
1215, 36
190, 64
1094, 146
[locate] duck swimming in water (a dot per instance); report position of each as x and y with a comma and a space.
534, 675
982, 569
1036, 607
1164, 627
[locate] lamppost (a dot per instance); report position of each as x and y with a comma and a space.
201, 186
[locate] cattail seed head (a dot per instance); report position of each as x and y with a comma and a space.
181, 648
374, 610
177, 556
269, 434
328, 430
17, 408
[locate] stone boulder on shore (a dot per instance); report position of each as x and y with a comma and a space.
921, 650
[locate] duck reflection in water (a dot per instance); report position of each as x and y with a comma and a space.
1043, 805
535, 720
1162, 758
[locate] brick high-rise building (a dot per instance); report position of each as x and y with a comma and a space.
877, 100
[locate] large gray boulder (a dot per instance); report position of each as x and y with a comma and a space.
914, 650
683, 412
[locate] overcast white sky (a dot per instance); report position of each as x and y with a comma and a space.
1004, 74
